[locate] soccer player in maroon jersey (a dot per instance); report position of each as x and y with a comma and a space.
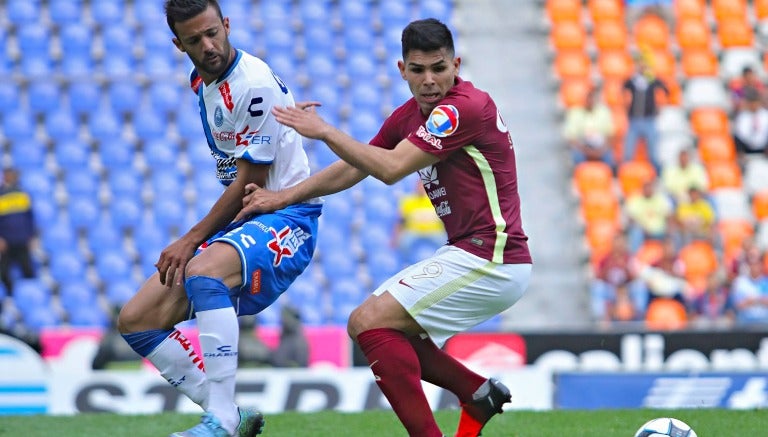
452, 134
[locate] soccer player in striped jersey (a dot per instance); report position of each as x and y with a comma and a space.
453, 135
223, 268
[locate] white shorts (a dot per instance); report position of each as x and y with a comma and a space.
453, 291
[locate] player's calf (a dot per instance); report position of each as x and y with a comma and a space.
488, 400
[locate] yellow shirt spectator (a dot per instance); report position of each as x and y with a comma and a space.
681, 177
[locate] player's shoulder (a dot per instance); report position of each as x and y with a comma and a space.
252, 70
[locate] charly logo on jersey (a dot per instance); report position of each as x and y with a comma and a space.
226, 94
218, 116
443, 121
285, 243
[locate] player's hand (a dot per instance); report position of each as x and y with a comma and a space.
303, 118
258, 200
173, 260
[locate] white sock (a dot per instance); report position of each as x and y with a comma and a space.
219, 334
178, 363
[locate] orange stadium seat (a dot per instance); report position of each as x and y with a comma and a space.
651, 31
568, 35
615, 64
733, 232
696, 9
699, 260
663, 63
693, 34
563, 10
675, 97
760, 205
724, 175
610, 35
735, 33
709, 120
665, 314
729, 9
716, 148
572, 64
592, 176
573, 92
605, 10
620, 124
613, 93
600, 235
761, 9
600, 205
699, 62
633, 175
649, 252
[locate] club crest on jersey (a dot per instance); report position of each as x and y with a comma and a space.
285, 243
443, 121
218, 116
226, 94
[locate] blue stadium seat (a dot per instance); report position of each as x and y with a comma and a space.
311, 315
63, 12
9, 97
104, 237
169, 213
361, 69
315, 13
77, 293
328, 94
26, 153
394, 14
29, 293
305, 290
158, 66
150, 124
117, 154
61, 125
112, 265
148, 13
70, 153
104, 127
108, 13
46, 210
76, 40
382, 264
167, 183
75, 68
84, 211
321, 69
43, 96
440, 9
149, 239
117, 68
58, 235
84, 97
278, 39
124, 182
366, 97
337, 261
158, 40
164, 96
161, 154
391, 37
88, 316
33, 40
22, 12
358, 39
376, 238
345, 290
118, 42
285, 66
40, 317
270, 316
242, 38
126, 212
319, 39
67, 265
189, 125
37, 68
37, 181
118, 292
78, 183
355, 13
363, 125
124, 96
207, 185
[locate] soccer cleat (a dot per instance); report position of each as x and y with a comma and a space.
251, 423
476, 413
209, 426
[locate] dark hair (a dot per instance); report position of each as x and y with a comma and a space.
427, 35
183, 10
751, 94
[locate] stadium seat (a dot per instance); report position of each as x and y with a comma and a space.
733, 60
605, 10
168, 213
29, 293
76, 40
735, 33
27, 153
106, 14
40, 317
358, 40
81, 183
632, 175
693, 34
120, 291
88, 316
663, 64
733, 232
591, 176
573, 92
338, 264
159, 66
116, 154
724, 175
600, 236
755, 175
118, 42
760, 205
729, 9
67, 265
83, 97
731, 203
64, 12
613, 93
43, 96
360, 68
651, 32
22, 12
699, 62
568, 35
70, 153
699, 260
84, 211
160, 154
394, 13
124, 96
33, 40
690, 9
600, 205
572, 64
58, 235
705, 92
77, 293
112, 265
709, 121
104, 127
649, 252
126, 212
104, 237
664, 314
439, 9
558, 11
278, 40
716, 148
46, 210
610, 35
615, 65
37, 181
761, 9
117, 68
10, 96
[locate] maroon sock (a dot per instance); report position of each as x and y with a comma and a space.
397, 370
442, 370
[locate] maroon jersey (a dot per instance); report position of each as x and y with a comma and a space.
474, 185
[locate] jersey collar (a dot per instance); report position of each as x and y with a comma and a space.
223, 77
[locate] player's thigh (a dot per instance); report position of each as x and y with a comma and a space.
219, 260
381, 311
154, 306
454, 290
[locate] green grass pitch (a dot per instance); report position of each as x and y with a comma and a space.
605, 423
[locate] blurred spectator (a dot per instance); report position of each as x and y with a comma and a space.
589, 131
739, 263
677, 179
642, 111
737, 86
419, 225
615, 292
750, 293
252, 351
293, 349
650, 216
17, 229
695, 218
664, 278
750, 126
638, 8
713, 308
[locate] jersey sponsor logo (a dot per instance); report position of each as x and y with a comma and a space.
443, 208
226, 94
218, 116
223, 136
256, 281
246, 138
431, 183
502, 127
187, 346
422, 133
443, 121
285, 243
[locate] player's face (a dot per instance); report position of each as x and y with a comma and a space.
205, 39
429, 75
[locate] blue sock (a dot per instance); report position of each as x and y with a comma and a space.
207, 293
145, 342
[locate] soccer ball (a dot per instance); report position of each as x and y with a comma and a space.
665, 427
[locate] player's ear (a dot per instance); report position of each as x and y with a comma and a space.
457, 63
178, 45
225, 21
401, 67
